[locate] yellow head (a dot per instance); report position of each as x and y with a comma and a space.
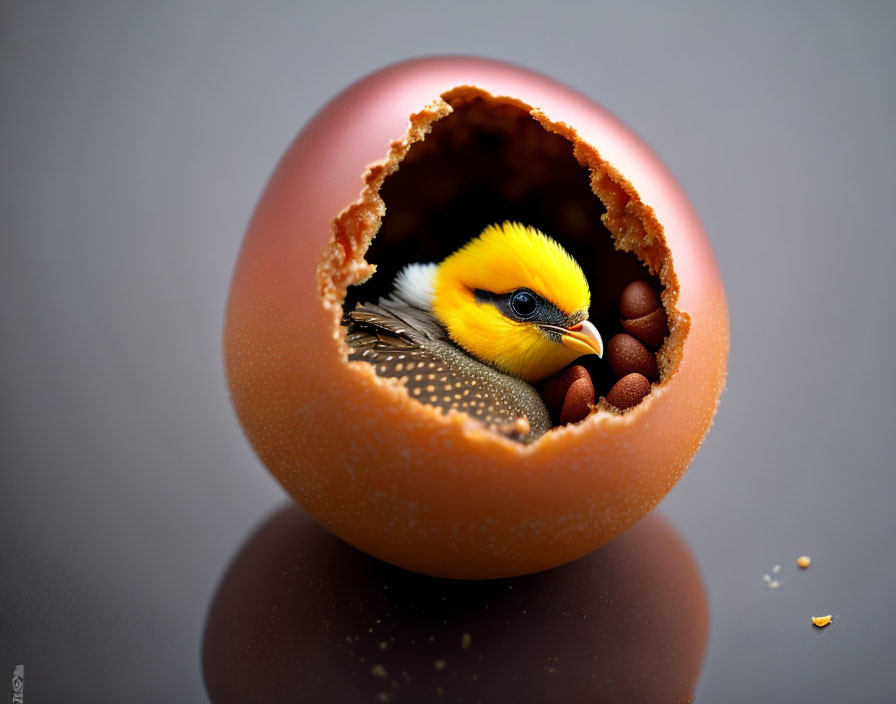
516, 300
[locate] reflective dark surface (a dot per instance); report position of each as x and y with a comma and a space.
300, 615
135, 139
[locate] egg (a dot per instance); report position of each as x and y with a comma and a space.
404, 166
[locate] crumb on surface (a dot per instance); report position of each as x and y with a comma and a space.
822, 621
803, 561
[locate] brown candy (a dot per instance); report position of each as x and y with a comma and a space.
578, 402
569, 394
628, 391
651, 329
638, 299
626, 356
642, 314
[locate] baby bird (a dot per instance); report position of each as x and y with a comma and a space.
473, 332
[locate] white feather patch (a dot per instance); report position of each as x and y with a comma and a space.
415, 285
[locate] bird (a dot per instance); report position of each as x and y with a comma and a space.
475, 331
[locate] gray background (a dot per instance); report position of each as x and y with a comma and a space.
135, 141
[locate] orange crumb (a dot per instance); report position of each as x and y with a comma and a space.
821, 621
803, 561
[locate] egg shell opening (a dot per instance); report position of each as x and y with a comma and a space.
434, 493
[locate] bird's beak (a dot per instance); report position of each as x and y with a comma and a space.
584, 339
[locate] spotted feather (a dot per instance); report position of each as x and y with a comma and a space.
437, 373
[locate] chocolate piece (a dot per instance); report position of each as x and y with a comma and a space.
628, 391
569, 394
638, 299
578, 402
651, 329
642, 314
626, 355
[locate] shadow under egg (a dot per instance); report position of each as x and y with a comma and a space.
301, 616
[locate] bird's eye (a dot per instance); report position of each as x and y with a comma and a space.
523, 304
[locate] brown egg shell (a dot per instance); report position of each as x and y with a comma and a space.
434, 493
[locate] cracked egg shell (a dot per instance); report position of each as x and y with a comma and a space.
439, 493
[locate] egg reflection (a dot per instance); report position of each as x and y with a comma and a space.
301, 616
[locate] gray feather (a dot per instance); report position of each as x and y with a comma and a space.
405, 342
